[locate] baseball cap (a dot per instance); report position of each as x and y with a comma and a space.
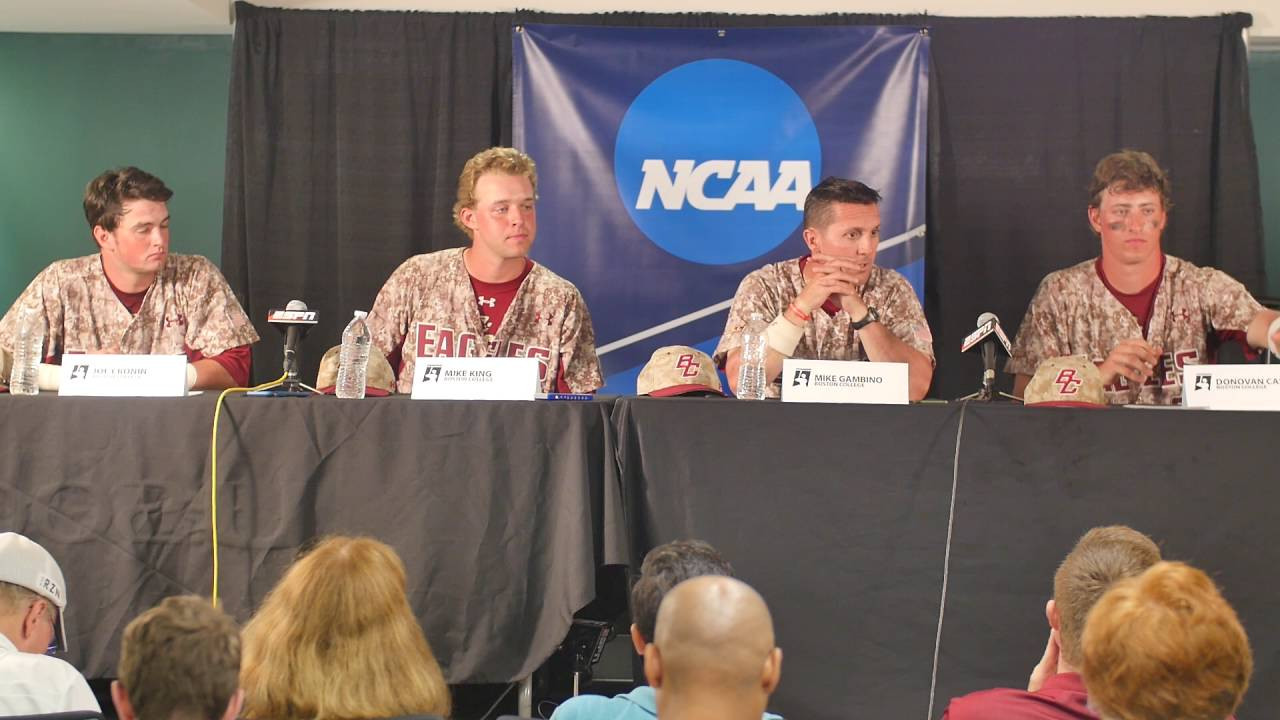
678, 370
25, 564
379, 380
1067, 381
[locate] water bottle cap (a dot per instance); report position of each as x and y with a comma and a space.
361, 314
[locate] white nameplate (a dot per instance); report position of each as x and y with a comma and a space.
1231, 387
844, 381
124, 375
468, 378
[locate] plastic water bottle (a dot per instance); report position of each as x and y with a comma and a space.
353, 359
751, 378
24, 379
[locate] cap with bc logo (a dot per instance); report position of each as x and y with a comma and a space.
1067, 381
25, 564
678, 370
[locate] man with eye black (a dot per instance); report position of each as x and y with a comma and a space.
1140, 315
488, 299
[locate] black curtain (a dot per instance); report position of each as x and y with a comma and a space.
345, 135
346, 132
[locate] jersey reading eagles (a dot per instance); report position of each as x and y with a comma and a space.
547, 320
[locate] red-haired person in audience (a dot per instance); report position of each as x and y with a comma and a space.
179, 660
336, 640
1165, 645
1103, 556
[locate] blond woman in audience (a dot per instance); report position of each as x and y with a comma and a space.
336, 640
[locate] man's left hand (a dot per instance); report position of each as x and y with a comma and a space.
1048, 665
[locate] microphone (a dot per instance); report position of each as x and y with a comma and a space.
990, 336
294, 321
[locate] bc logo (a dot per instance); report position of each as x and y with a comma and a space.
714, 159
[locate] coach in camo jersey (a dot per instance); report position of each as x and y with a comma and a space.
489, 299
133, 296
1139, 314
836, 303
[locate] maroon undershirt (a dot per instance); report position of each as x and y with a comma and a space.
1141, 303
494, 299
236, 360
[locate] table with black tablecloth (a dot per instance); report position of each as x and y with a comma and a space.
841, 515
884, 538
502, 511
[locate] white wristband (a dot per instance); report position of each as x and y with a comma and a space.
49, 377
191, 376
784, 335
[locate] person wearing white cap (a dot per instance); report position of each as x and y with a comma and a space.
33, 597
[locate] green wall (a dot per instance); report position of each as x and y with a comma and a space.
1264, 97
72, 106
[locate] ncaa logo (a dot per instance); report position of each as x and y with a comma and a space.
714, 159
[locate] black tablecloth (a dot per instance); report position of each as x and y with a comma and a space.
501, 511
839, 516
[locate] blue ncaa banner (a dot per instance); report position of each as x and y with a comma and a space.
672, 162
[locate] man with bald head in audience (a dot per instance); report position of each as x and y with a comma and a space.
713, 652
1102, 557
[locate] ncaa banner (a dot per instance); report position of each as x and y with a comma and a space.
672, 162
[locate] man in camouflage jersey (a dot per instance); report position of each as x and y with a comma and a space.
133, 296
836, 303
488, 299
1139, 314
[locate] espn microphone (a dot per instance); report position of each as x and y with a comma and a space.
294, 321
990, 336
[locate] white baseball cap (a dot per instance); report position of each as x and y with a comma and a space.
24, 563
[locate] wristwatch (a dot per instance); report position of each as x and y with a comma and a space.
872, 316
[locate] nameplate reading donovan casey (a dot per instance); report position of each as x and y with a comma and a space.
1231, 387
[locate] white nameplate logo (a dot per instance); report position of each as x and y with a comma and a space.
1231, 387
844, 381
124, 375
470, 378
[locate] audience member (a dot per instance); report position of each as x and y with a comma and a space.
713, 652
336, 640
663, 568
32, 600
179, 660
1165, 645
1055, 691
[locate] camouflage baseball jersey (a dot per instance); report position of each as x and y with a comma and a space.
1073, 313
547, 319
188, 307
771, 289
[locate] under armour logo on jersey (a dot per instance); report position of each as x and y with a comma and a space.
483, 301
688, 366
1068, 382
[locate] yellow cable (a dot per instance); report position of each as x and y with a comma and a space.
213, 483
